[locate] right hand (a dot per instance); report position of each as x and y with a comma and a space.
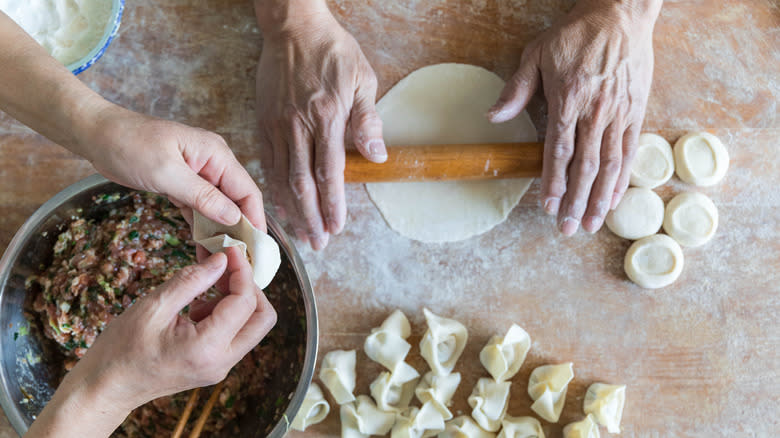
315, 92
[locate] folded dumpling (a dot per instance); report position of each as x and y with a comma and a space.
393, 391
337, 373
443, 343
503, 356
418, 423
547, 387
438, 390
387, 343
264, 255
521, 427
586, 428
489, 401
313, 410
606, 402
464, 427
362, 418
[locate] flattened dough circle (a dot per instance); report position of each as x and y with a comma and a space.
691, 219
639, 214
446, 104
700, 159
654, 162
653, 262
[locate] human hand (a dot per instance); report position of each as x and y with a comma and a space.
315, 92
595, 67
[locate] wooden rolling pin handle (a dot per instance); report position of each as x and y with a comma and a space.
448, 162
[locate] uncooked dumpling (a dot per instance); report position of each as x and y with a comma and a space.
654, 261
639, 214
387, 343
313, 410
586, 428
337, 373
438, 390
691, 219
547, 387
422, 422
446, 104
489, 401
443, 343
393, 391
361, 418
263, 250
700, 159
464, 427
521, 427
654, 162
605, 402
503, 356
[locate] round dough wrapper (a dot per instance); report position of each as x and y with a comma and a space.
654, 162
446, 104
654, 261
639, 214
700, 159
691, 219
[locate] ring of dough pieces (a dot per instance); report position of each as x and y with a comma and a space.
639, 214
446, 104
653, 262
691, 219
700, 159
654, 162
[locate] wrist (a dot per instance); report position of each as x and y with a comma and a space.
284, 19
641, 13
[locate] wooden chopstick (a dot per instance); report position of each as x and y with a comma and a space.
185, 416
206, 411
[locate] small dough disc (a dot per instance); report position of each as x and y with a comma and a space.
639, 214
654, 162
653, 262
700, 159
691, 219
446, 104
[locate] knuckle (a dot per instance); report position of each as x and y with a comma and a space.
329, 174
587, 166
562, 150
611, 166
302, 185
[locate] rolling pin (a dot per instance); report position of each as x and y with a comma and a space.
448, 162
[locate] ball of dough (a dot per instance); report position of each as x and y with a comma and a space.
654, 162
700, 159
691, 219
639, 214
653, 262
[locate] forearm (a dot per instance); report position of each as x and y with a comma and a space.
277, 18
635, 10
40, 92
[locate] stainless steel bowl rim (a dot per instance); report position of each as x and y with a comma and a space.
312, 329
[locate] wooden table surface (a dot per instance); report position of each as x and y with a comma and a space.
700, 357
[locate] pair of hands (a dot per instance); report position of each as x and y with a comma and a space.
316, 92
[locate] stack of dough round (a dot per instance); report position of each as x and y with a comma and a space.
691, 219
654, 261
700, 159
639, 214
654, 162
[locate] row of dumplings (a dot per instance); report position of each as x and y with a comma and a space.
388, 408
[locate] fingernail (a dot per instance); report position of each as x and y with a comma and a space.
318, 242
377, 151
333, 227
615, 200
569, 226
591, 224
231, 215
301, 235
551, 205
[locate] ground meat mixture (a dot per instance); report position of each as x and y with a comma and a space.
100, 267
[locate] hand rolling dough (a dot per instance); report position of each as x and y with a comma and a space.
639, 214
446, 104
700, 159
654, 261
691, 219
654, 162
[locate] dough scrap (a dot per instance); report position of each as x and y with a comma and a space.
313, 410
503, 356
585, 428
700, 159
654, 162
443, 343
605, 402
489, 401
446, 104
337, 373
439, 391
691, 219
361, 418
521, 427
639, 214
464, 427
263, 250
547, 387
653, 262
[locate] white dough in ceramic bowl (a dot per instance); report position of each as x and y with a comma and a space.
639, 214
654, 162
691, 219
700, 159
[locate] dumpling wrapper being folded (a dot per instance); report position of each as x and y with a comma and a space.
263, 251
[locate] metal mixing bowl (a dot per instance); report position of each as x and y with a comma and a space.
28, 370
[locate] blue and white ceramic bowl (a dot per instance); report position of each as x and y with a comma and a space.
112, 27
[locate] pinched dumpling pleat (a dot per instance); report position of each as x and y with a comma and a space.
387, 343
464, 427
521, 427
362, 418
393, 391
438, 390
443, 343
313, 410
489, 401
503, 356
547, 387
415, 422
606, 402
586, 428
337, 373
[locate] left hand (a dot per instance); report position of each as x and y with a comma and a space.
595, 67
